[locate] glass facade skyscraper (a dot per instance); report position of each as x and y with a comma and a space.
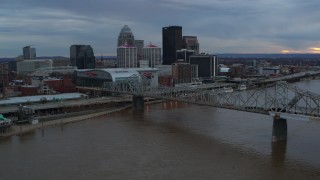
190, 43
207, 65
29, 52
171, 42
139, 45
82, 56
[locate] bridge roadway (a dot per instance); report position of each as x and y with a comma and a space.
282, 97
208, 86
289, 77
66, 103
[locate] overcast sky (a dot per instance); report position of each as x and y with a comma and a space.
222, 26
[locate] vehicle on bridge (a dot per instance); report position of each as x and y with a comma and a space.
223, 90
242, 87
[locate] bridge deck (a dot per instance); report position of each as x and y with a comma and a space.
282, 97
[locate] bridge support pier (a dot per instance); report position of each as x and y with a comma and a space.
279, 129
137, 102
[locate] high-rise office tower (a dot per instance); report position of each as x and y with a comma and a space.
4, 76
183, 55
151, 53
207, 65
139, 45
82, 56
171, 42
29, 52
190, 43
125, 36
127, 56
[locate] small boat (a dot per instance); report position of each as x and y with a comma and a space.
227, 89
242, 87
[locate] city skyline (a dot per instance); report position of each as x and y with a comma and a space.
232, 26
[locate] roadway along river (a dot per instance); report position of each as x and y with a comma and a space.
166, 141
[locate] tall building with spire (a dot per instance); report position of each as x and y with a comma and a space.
125, 36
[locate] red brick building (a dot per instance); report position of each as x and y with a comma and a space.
166, 80
29, 90
61, 85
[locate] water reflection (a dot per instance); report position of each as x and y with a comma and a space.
61, 125
278, 153
27, 136
137, 113
169, 105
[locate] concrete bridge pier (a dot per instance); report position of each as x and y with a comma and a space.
137, 102
279, 128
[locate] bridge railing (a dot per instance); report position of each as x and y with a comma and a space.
282, 97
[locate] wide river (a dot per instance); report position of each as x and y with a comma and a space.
166, 141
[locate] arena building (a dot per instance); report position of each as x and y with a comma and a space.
97, 77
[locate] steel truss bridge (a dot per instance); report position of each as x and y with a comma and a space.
282, 97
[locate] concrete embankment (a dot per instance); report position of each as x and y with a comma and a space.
60, 119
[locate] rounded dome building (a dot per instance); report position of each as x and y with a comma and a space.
125, 36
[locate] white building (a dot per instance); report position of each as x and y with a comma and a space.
126, 36
144, 63
152, 53
98, 77
127, 56
30, 66
269, 70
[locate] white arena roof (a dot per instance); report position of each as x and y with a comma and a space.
120, 73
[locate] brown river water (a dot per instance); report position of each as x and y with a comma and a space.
167, 141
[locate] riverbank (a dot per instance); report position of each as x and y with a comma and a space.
58, 120
61, 119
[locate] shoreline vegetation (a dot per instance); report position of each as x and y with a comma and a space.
62, 119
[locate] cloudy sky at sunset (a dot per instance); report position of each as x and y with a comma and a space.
222, 26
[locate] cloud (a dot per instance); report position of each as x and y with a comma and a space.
239, 26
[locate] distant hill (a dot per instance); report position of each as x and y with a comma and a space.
270, 56
44, 57
107, 57
6, 59
52, 57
